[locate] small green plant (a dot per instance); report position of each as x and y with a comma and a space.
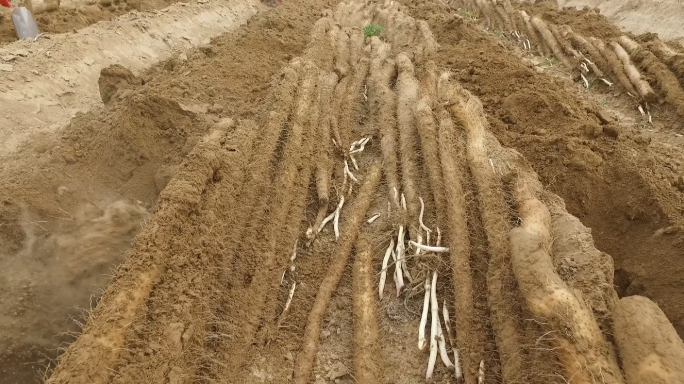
641, 124
603, 102
372, 30
465, 14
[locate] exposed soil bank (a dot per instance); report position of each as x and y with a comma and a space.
663, 17
48, 82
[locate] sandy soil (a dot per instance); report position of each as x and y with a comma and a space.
201, 182
47, 82
74, 15
638, 16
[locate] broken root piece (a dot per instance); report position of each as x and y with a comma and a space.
422, 341
398, 267
429, 248
433, 329
336, 223
383, 272
373, 218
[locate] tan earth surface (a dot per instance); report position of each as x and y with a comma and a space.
229, 191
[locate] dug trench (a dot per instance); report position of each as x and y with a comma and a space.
54, 16
231, 279
613, 177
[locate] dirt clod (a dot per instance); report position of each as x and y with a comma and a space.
114, 80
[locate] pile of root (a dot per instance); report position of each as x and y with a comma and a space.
651, 73
372, 159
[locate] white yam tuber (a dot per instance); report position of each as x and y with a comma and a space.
383, 272
289, 297
433, 331
373, 218
420, 218
336, 223
457, 363
481, 373
401, 250
429, 248
422, 341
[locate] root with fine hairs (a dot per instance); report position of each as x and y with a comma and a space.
517, 22
357, 213
673, 59
564, 43
367, 357
324, 162
641, 85
534, 36
494, 213
597, 64
615, 65
428, 132
382, 101
549, 39
280, 227
347, 123
407, 94
667, 81
491, 18
451, 147
594, 277
506, 25
586, 356
125, 297
650, 348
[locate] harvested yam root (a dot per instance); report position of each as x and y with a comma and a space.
358, 210
565, 44
649, 346
367, 358
407, 94
586, 356
383, 105
503, 15
451, 148
641, 85
494, 212
324, 164
549, 39
592, 270
667, 81
597, 64
674, 60
615, 65
126, 297
533, 35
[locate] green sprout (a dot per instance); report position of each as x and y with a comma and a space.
465, 14
372, 30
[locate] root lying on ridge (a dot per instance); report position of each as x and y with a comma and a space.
583, 350
356, 216
494, 212
367, 358
106, 333
451, 147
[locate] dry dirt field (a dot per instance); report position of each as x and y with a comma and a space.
356, 191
